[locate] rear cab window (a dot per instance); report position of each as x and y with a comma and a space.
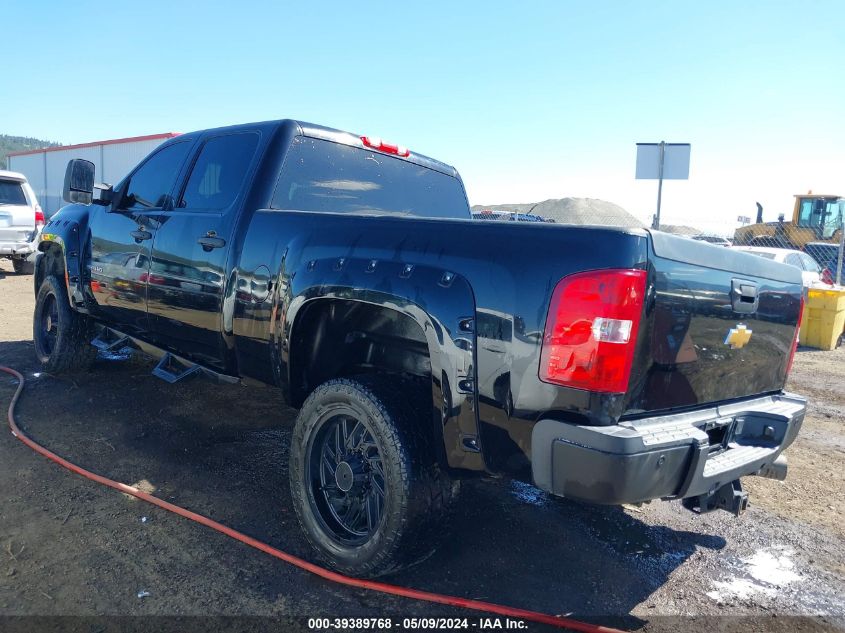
324, 176
12, 193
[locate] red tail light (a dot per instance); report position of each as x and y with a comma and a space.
827, 276
39, 216
374, 142
591, 330
795, 337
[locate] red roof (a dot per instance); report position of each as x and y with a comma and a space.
129, 139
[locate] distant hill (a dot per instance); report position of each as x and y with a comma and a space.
571, 211
10, 144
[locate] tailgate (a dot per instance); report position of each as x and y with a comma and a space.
16, 223
722, 325
17, 218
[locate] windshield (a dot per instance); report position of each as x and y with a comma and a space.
821, 213
321, 175
834, 212
11, 192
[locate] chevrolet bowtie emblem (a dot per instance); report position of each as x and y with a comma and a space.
738, 336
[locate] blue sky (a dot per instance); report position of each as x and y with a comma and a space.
528, 100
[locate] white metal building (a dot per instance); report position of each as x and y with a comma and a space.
45, 168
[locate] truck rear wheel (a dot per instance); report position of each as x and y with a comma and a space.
366, 487
62, 336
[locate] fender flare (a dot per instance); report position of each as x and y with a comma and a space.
439, 301
66, 229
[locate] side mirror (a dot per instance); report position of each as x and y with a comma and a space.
79, 181
106, 194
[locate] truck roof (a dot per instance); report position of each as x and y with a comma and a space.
302, 128
12, 175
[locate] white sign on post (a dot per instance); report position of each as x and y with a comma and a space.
662, 161
675, 161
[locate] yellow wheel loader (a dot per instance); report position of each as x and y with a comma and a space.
815, 218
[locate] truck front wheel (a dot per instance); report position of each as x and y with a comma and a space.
364, 481
62, 336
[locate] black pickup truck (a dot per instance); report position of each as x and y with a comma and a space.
422, 347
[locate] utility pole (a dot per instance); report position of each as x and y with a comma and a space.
659, 161
656, 223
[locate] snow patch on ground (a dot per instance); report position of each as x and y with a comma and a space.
527, 493
766, 571
738, 588
773, 568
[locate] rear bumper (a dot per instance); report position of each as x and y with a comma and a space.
674, 456
21, 248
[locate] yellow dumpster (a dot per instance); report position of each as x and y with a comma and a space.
824, 318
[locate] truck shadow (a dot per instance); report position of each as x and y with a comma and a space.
222, 451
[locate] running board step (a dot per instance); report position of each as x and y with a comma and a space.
172, 369
108, 341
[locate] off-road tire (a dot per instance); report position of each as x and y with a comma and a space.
70, 350
418, 495
23, 266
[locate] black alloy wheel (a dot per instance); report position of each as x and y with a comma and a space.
348, 478
366, 485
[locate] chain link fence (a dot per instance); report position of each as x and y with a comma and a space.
813, 239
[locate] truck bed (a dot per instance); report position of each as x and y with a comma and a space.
507, 273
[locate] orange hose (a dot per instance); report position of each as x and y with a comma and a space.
372, 585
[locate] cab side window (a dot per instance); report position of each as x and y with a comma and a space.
219, 172
152, 183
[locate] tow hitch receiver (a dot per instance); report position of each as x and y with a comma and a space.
729, 497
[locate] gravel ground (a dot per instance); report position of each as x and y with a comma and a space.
72, 548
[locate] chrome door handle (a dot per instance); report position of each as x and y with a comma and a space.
209, 243
140, 236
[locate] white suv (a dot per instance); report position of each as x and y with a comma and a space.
21, 221
809, 267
